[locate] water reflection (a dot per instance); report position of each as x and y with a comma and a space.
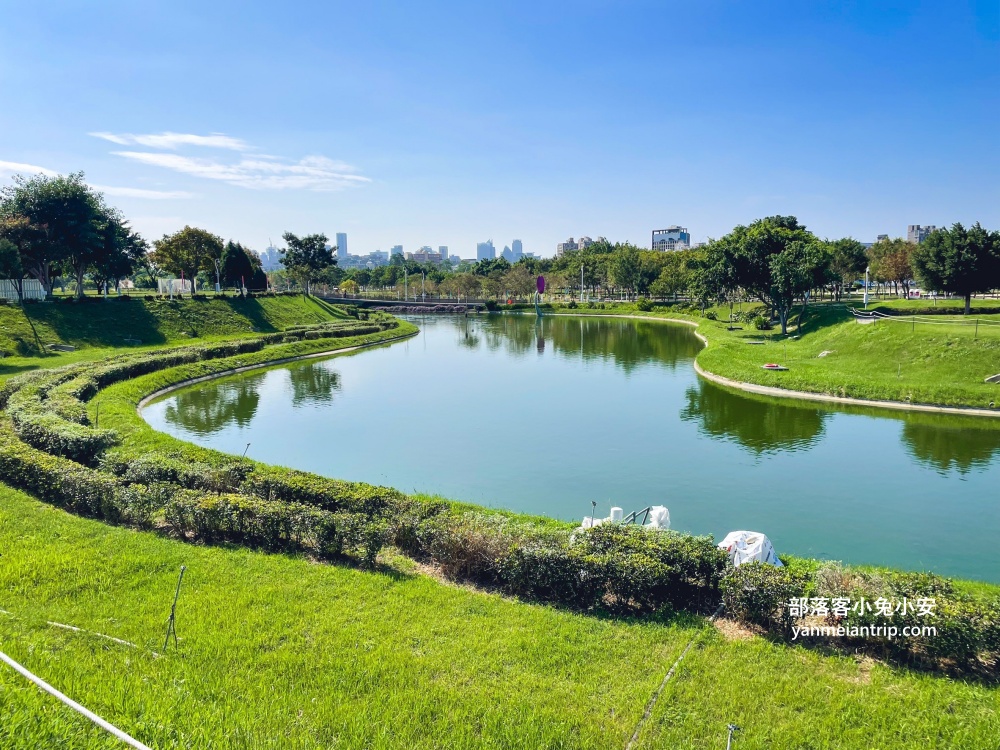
626, 343
759, 425
207, 410
948, 444
313, 384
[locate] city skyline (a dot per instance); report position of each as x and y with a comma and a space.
776, 109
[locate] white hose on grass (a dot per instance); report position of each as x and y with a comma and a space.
74, 705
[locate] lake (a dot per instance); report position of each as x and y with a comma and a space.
546, 416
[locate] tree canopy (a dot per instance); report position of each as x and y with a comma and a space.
188, 251
959, 261
307, 257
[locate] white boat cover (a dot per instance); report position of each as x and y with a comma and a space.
748, 546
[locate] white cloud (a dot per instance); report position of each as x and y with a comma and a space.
8, 168
310, 173
156, 195
174, 141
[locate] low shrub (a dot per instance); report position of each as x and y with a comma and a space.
644, 304
711, 315
760, 323
758, 594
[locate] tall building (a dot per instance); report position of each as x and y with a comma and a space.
341, 246
270, 259
507, 254
426, 255
485, 250
517, 248
882, 238
671, 238
916, 233
396, 250
443, 250
571, 244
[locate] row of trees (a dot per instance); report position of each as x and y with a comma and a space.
53, 227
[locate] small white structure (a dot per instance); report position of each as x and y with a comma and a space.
174, 286
658, 517
749, 546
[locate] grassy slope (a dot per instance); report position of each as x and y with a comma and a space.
96, 327
279, 652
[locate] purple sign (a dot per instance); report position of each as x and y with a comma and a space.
541, 284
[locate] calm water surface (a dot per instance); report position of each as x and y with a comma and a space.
546, 416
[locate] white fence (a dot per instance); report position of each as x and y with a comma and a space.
32, 289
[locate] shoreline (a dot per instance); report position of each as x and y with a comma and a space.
774, 391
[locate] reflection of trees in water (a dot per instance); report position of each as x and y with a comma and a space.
313, 384
949, 444
206, 410
627, 343
762, 426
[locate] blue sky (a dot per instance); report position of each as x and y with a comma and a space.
438, 123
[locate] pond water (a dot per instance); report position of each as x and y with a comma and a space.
546, 416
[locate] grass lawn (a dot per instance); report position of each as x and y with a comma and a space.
99, 328
277, 651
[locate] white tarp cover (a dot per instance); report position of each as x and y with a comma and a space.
31, 288
748, 546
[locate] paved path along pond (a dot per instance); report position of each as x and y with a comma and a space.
545, 416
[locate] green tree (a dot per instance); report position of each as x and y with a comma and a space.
122, 250
240, 267
959, 261
11, 268
848, 260
187, 252
775, 260
306, 258
65, 214
519, 281
624, 268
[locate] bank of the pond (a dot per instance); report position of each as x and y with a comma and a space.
129, 473
912, 364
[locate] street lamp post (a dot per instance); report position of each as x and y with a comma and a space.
867, 269
405, 279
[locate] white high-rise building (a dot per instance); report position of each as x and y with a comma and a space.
671, 238
485, 250
917, 233
341, 246
571, 244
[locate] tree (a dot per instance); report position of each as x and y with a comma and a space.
240, 267
848, 260
775, 260
467, 284
890, 261
519, 281
11, 268
65, 214
625, 267
122, 249
959, 261
349, 287
187, 252
18, 233
306, 257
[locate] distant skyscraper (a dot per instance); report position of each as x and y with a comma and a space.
507, 254
341, 246
882, 237
671, 238
396, 250
485, 250
916, 233
443, 251
518, 249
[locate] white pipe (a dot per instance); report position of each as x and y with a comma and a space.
74, 705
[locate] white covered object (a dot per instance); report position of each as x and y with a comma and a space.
748, 546
659, 517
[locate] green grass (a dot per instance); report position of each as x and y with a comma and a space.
97, 328
277, 651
